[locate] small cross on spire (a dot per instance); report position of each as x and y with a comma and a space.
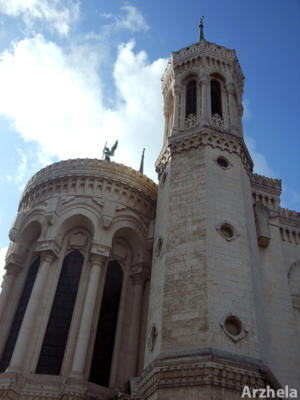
201, 34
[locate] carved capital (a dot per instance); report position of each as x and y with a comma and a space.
100, 249
14, 263
12, 269
139, 273
48, 248
47, 256
97, 259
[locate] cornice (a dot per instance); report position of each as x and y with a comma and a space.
223, 140
90, 178
265, 184
205, 367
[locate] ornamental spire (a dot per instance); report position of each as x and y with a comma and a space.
201, 34
142, 163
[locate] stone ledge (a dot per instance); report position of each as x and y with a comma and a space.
204, 367
266, 184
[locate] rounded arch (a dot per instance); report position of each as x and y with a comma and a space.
218, 76
132, 237
75, 217
30, 231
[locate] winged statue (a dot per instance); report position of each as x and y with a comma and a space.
107, 152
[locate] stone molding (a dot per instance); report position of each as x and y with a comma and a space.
206, 367
269, 185
205, 136
94, 179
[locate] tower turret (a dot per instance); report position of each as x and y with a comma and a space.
206, 301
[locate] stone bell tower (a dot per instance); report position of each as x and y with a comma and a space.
206, 331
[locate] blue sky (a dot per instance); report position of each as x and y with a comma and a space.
75, 74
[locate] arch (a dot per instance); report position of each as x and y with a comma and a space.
107, 325
56, 336
75, 217
30, 231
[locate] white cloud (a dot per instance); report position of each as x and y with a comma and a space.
261, 165
3, 251
55, 98
57, 14
133, 20
247, 112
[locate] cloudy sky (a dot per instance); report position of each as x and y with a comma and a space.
75, 74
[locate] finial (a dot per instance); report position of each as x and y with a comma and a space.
142, 163
201, 34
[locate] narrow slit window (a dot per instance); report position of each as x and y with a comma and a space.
107, 325
56, 336
215, 95
191, 98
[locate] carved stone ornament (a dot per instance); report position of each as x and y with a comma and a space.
217, 121
77, 240
233, 327
152, 338
191, 121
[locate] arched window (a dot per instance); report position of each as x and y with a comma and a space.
16, 325
215, 96
56, 336
191, 98
107, 325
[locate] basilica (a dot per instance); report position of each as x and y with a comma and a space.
119, 288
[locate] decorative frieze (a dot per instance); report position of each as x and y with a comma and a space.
204, 137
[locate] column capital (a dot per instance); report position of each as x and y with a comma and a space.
230, 88
50, 246
139, 273
14, 263
97, 259
47, 256
100, 249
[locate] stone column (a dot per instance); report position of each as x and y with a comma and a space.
232, 107
176, 114
97, 264
11, 271
139, 274
204, 117
17, 360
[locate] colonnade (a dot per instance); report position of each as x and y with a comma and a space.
97, 265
